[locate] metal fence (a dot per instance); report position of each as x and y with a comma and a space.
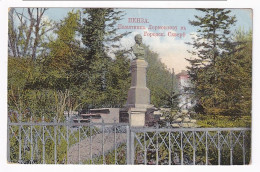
190, 146
117, 143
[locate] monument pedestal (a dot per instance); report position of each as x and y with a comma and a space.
137, 117
138, 100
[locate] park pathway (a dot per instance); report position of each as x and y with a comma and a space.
81, 152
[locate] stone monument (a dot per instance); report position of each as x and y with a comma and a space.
138, 100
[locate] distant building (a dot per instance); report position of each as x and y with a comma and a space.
185, 99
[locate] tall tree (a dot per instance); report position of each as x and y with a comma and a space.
27, 31
212, 42
118, 80
99, 36
234, 78
161, 82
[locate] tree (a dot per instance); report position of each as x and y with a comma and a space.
27, 31
118, 80
64, 53
221, 73
211, 43
162, 84
99, 36
42, 86
234, 78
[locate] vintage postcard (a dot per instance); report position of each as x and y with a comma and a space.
129, 86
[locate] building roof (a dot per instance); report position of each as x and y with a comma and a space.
182, 73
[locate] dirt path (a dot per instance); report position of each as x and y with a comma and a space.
84, 147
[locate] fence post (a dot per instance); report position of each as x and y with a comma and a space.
55, 141
219, 152
8, 140
103, 150
20, 140
181, 147
231, 149
244, 157
91, 140
31, 141
145, 150
67, 137
128, 162
132, 147
206, 147
43, 144
115, 146
79, 141
194, 148
157, 146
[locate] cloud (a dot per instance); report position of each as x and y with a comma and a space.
172, 51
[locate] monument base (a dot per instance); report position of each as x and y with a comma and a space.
137, 117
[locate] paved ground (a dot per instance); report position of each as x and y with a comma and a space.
85, 149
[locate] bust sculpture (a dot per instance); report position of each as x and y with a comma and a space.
139, 48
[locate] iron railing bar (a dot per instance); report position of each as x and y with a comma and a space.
91, 160
219, 149
163, 140
8, 140
115, 144
64, 124
231, 149
194, 148
79, 147
237, 139
20, 141
170, 153
26, 134
84, 132
157, 149
139, 141
181, 148
212, 139
73, 135
55, 143
31, 129
206, 147
151, 140
132, 147
145, 150
12, 132
244, 159
128, 145
137, 130
103, 150
59, 131
67, 139
224, 140
43, 144
188, 139
176, 139
200, 137
38, 134
50, 133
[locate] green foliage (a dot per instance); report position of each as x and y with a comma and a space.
118, 81
99, 36
221, 71
161, 82
209, 121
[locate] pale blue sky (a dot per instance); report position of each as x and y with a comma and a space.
165, 16
172, 51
